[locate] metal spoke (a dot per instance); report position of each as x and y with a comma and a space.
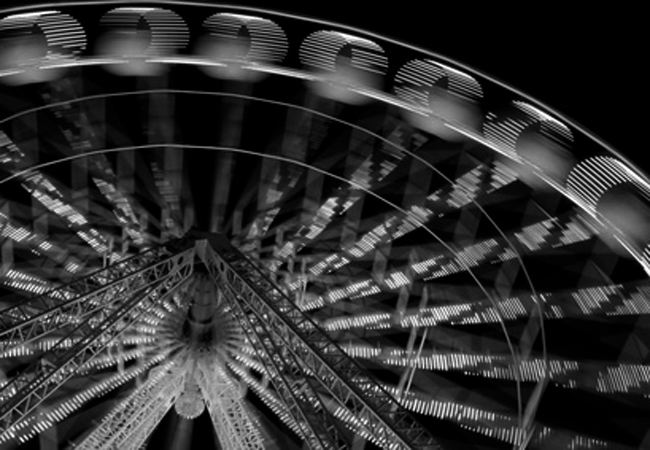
335, 370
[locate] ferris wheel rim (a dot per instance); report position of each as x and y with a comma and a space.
510, 89
391, 39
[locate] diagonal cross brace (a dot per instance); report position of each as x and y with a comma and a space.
29, 389
235, 428
311, 422
142, 409
69, 304
339, 374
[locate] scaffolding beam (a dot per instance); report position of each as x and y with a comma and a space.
22, 394
264, 303
314, 424
225, 403
131, 422
68, 305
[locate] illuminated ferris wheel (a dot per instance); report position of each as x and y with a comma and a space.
303, 235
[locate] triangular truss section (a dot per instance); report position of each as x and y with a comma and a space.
205, 300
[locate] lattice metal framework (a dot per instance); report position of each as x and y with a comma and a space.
326, 362
129, 425
313, 376
25, 392
313, 422
80, 299
234, 426
414, 214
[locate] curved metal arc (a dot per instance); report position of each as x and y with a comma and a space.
237, 7
342, 179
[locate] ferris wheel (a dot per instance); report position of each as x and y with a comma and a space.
291, 233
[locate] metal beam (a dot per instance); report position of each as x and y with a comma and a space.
24, 393
131, 422
281, 367
32, 318
235, 429
264, 303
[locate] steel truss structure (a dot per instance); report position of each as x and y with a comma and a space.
291, 345
106, 321
130, 424
225, 402
244, 229
293, 342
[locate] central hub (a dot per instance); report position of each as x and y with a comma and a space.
199, 327
200, 320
